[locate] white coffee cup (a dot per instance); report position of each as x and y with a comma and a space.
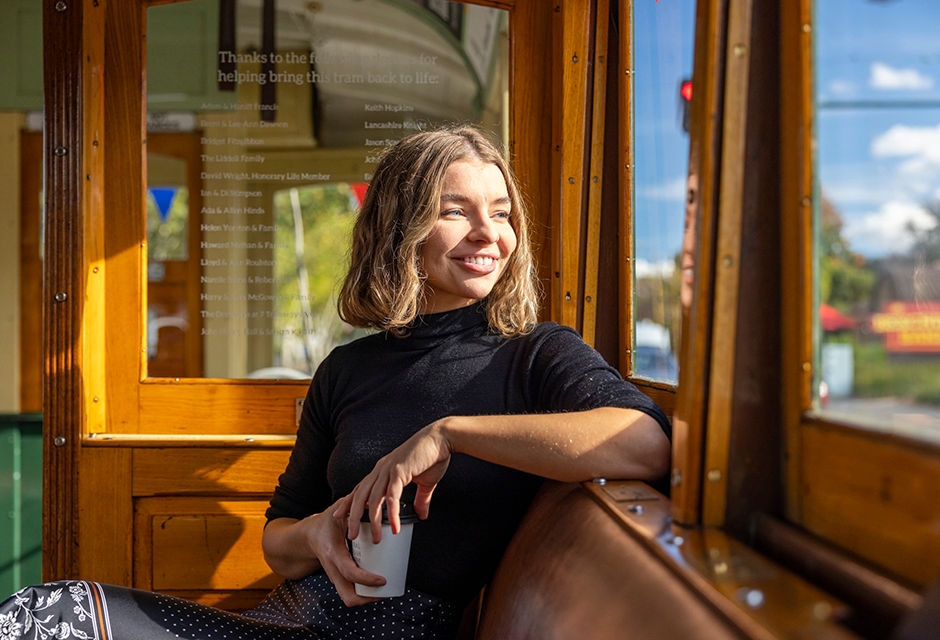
388, 558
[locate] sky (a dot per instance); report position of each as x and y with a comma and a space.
878, 114
663, 38
878, 120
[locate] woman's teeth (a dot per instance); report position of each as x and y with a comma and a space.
478, 260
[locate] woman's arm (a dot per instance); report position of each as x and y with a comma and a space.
604, 442
296, 548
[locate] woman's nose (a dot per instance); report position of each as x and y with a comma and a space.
484, 229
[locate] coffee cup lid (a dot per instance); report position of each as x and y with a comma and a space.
406, 513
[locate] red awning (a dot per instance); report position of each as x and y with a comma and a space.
832, 319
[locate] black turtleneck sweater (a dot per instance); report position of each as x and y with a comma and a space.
370, 395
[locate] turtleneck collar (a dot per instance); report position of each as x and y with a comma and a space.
435, 327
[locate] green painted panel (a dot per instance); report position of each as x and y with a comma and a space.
20, 55
182, 46
20, 501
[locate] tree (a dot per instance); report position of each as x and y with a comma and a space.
844, 279
926, 246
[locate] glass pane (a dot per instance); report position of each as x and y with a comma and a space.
878, 213
663, 35
292, 104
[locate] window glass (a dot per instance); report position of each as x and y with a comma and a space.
292, 104
877, 67
663, 35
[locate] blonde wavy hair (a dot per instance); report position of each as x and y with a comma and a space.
385, 285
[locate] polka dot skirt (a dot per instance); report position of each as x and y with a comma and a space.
314, 603
306, 609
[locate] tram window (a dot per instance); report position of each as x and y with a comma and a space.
291, 98
877, 218
662, 49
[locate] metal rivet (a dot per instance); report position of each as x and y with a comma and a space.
727, 261
568, 296
594, 179
676, 478
60, 151
822, 610
94, 269
587, 298
61, 296
599, 480
574, 58
59, 441
61, 6
751, 597
807, 28
677, 540
635, 508
739, 50
714, 475
570, 180
95, 399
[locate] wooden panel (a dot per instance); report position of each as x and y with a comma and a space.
875, 496
798, 110
727, 267
62, 397
193, 547
570, 136
531, 125
194, 406
691, 396
207, 470
105, 506
123, 207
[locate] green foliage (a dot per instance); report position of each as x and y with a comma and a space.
877, 375
328, 216
166, 239
844, 279
308, 274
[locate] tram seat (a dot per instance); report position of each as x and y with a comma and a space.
572, 571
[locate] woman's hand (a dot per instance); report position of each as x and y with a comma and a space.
421, 459
297, 548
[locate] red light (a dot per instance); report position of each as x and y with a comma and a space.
686, 91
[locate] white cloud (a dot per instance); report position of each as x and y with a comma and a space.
904, 141
883, 77
885, 231
841, 87
672, 190
661, 269
919, 148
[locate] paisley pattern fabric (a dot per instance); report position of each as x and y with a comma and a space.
308, 609
58, 610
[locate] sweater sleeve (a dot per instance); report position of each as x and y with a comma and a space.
569, 375
302, 488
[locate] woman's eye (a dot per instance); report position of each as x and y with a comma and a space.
451, 213
502, 215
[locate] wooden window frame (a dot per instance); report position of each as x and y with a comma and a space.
869, 494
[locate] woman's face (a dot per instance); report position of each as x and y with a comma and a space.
472, 239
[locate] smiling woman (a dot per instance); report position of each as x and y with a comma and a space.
471, 242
